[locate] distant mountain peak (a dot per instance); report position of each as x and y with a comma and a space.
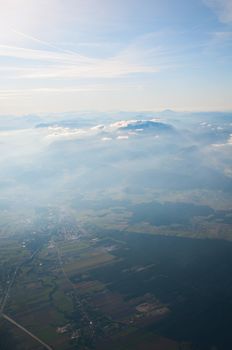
142, 124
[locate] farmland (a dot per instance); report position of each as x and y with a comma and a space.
77, 287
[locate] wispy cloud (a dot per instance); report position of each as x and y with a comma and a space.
34, 39
220, 43
43, 55
12, 93
223, 8
64, 64
223, 36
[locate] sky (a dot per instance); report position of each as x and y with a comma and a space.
104, 55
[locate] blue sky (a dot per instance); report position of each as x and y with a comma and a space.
62, 55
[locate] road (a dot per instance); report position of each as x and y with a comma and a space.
9, 319
5, 298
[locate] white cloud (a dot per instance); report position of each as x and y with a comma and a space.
11, 133
228, 172
122, 124
98, 127
106, 138
228, 143
58, 132
230, 140
122, 137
